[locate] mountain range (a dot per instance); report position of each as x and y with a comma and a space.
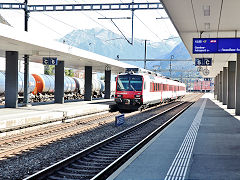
110, 44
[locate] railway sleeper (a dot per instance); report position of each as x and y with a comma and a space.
62, 178
115, 150
98, 153
73, 175
90, 163
118, 147
125, 141
81, 171
126, 144
89, 159
96, 164
108, 151
102, 156
81, 166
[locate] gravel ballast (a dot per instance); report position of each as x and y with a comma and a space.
27, 163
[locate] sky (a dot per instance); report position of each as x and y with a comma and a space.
55, 25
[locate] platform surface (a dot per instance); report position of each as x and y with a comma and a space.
203, 143
13, 117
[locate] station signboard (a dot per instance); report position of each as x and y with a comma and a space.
216, 45
207, 79
50, 61
203, 61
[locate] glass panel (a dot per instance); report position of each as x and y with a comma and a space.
129, 83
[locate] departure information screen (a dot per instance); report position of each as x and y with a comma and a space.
216, 45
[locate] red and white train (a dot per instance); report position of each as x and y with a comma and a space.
202, 86
136, 90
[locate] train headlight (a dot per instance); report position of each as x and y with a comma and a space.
118, 95
138, 96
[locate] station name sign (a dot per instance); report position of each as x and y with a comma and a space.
203, 61
216, 45
50, 61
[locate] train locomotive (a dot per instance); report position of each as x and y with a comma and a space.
41, 87
138, 90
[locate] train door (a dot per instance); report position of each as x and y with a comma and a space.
161, 89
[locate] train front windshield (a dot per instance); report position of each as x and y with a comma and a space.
129, 83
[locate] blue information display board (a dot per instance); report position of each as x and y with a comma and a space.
216, 45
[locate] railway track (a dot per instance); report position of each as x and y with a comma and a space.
100, 160
19, 143
16, 144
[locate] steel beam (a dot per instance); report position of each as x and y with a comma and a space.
12, 6
83, 7
154, 60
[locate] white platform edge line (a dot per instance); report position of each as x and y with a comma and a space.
195, 124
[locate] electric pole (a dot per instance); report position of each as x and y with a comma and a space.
145, 54
26, 60
170, 68
132, 21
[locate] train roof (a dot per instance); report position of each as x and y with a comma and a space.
145, 71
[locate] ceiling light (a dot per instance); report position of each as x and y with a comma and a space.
206, 10
207, 26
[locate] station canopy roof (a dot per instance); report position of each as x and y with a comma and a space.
211, 19
37, 47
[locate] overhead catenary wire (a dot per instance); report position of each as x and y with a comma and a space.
67, 24
102, 25
219, 20
164, 22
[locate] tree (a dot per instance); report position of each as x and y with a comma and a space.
69, 72
49, 69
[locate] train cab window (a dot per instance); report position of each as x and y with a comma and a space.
144, 85
129, 83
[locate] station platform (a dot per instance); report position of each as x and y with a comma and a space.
202, 143
13, 118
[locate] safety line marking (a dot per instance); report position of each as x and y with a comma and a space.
179, 166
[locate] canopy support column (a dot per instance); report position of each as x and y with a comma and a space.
59, 83
11, 79
88, 83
